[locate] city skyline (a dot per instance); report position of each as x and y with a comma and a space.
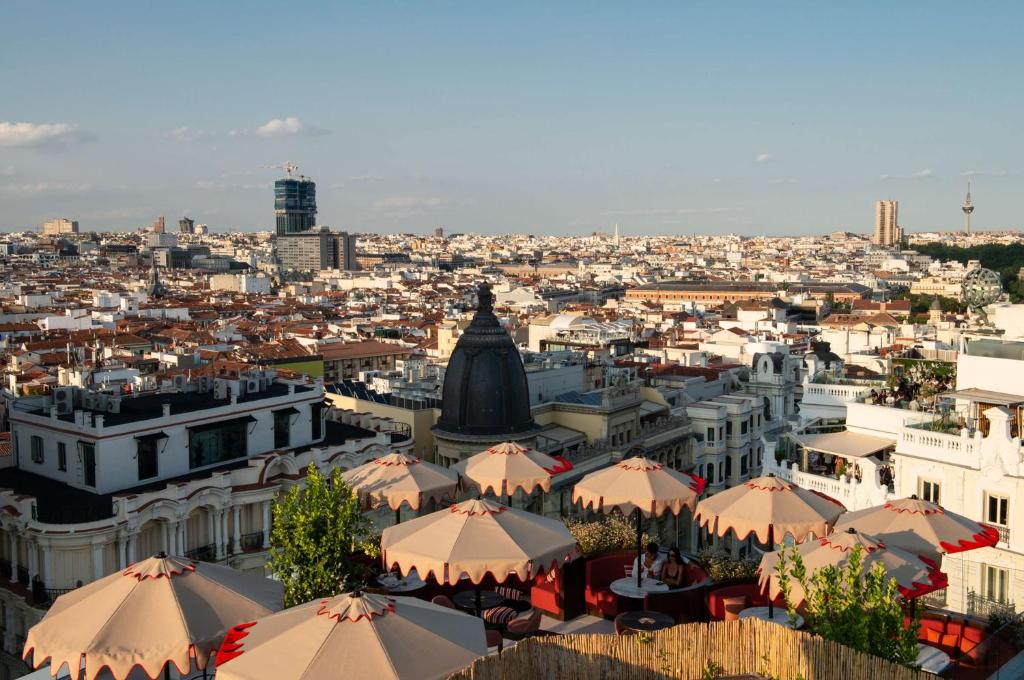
531, 119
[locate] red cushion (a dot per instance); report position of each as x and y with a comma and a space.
500, 615
950, 642
930, 635
933, 624
972, 634
954, 628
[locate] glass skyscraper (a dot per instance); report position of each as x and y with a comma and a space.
294, 205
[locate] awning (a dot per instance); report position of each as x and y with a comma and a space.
291, 410
221, 423
151, 436
985, 397
844, 444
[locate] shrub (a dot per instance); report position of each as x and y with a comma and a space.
606, 535
722, 567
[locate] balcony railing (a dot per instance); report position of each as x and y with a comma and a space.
252, 542
982, 605
935, 599
1004, 533
204, 553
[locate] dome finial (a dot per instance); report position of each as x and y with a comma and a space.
485, 299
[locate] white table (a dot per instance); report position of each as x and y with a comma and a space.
780, 615
932, 659
626, 587
396, 584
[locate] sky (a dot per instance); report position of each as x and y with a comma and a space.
546, 118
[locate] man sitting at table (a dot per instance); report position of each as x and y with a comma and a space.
652, 562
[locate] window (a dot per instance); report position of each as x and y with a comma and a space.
147, 457
209, 445
728, 466
709, 473
997, 509
744, 464
318, 420
62, 456
930, 491
282, 428
37, 449
994, 583
743, 427
88, 453
720, 437
728, 428
711, 434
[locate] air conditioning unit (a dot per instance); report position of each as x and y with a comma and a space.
114, 405
252, 385
180, 381
64, 399
220, 389
205, 383
88, 401
99, 402
238, 387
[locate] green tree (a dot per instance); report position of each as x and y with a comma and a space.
862, 610
316, 531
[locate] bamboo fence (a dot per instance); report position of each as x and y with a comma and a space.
691, 651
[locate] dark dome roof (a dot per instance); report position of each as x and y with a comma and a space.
485, 390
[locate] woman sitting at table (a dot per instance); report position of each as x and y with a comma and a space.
673, 572
651, 562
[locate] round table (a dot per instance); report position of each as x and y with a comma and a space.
467, 600
932, 659
396, 584
644, 621
780, 615
626, 587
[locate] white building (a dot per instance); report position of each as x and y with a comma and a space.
96, 481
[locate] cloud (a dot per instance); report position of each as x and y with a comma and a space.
784, 180
920, 174
289, 127
7, 171
673, 212
410, 206
187, 134
47, 188
987, 173
54, 135
764, 158
209, 185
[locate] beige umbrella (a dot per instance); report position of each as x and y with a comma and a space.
915, 575
160, 611
920, 527
640, 486
475, 538
353, 636
400, 478
505, 468
769, 508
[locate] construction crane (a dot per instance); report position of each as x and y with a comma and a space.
289, 168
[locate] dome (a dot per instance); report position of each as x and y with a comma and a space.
485, 390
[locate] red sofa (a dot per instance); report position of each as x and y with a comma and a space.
716, 597
686, 603
963, 641
600, 572
561, 596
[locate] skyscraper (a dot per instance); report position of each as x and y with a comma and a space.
60, 225
968, 208
294, 205
186, 226
316, 250
888, 233
159, 225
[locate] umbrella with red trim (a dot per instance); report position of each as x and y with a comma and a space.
157, 612
354, 635
399, 478
915, 575
640, 486
508, 467
921, 527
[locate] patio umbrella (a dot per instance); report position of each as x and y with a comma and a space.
400, 478
920, 527
640, 486
476, 538
160, 611
769, 508
353, 635
505, 468
915, 575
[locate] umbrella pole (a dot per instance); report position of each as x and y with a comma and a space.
771, 547
639, 554
398, 515
476, 597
